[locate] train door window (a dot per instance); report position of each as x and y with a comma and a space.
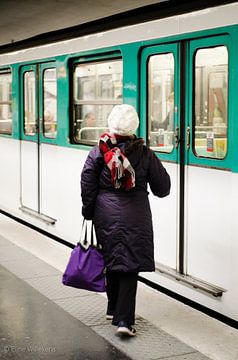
50, 103
97, 88
210, 105
5, 102
30, 125
161, 102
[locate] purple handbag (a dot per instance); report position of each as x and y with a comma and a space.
85, 269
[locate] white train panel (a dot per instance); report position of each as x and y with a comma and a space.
226, 305
10, 174
164, 213
60, 189
29, 174
209, 219
208, 18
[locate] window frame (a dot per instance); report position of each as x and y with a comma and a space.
157, 149
90, 60
33, 135
147, 52
44, 68
223, 39
5, 71
211, 46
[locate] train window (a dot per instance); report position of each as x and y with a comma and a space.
29, 103
210, 105
50, 103
5, 102
97, 88
161, 102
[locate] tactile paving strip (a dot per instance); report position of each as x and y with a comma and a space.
52, 287
29, 268
150, 342
90, 310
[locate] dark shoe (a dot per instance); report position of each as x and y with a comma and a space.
124, 329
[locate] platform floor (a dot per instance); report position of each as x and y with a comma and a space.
34, 327
42, 319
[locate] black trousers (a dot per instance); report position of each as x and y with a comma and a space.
121, 294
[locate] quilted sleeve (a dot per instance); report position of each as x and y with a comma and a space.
90, 181
158, 177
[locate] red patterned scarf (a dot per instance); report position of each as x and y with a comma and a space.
122, 173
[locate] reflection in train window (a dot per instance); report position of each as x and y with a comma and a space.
97, 88
29, 103
210, 123
161, 102
50, 103
5, 102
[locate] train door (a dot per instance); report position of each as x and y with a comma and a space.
208, 177
159, 110
38, 128
190, 79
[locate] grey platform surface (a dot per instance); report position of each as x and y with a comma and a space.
34, 327
89, 308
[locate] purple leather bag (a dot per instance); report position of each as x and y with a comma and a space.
85, 269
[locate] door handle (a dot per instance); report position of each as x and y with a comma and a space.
41, 125
188, 138
176, 137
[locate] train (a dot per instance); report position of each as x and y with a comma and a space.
181, 74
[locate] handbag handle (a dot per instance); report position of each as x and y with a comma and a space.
83, 240
92, 237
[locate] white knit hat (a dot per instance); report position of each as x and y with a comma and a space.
123, 120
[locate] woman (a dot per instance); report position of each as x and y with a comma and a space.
114, 195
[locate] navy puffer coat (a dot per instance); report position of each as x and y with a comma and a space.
122, 219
